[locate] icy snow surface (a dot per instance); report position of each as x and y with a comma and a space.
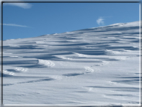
95, 66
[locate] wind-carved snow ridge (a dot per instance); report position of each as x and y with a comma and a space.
12, 72
63, 57
102, 63
113, 52
21, 69
81, 55
47, 63
6, 73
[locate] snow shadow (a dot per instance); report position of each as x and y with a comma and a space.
72, 74
22, 47
39, 80
128, 80
129, 89
32, 81
13, 70
7, 75
7, 84
33, 66
92, 52
20, 62
72, 44
123, 47
45, 56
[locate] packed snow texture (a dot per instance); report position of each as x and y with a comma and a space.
95, 66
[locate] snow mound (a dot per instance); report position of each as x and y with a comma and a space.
56, 77
7, 73
63, 57
117, 24
81, 55
47, 63
21, 69
88, 69
111, 52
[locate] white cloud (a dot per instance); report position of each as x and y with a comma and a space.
100, 21
14, 25
22, 5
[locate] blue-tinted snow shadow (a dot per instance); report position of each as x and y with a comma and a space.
72, 74
128, 80
31, 81
39, 80
72, 44
6, 75
128, 89
20, 62
129, 95
122, 47
7, 84
22, 47
45, 56
135, 41
34, 66
13, 70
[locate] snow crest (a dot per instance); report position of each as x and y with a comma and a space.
5, 72
21, 69
47, 63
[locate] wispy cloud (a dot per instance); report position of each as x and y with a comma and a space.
16, 25
100, 21
22, 5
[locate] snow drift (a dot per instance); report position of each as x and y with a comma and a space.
95, 66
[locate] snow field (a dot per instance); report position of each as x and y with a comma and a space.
86, 67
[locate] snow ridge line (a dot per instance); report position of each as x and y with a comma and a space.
21, 69
8, 73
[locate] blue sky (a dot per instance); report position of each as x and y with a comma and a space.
34, 19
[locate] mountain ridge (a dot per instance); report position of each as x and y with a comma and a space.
92, 66
128, 24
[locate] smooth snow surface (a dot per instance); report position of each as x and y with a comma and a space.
96, 66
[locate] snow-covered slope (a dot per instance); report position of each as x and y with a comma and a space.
95, 66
